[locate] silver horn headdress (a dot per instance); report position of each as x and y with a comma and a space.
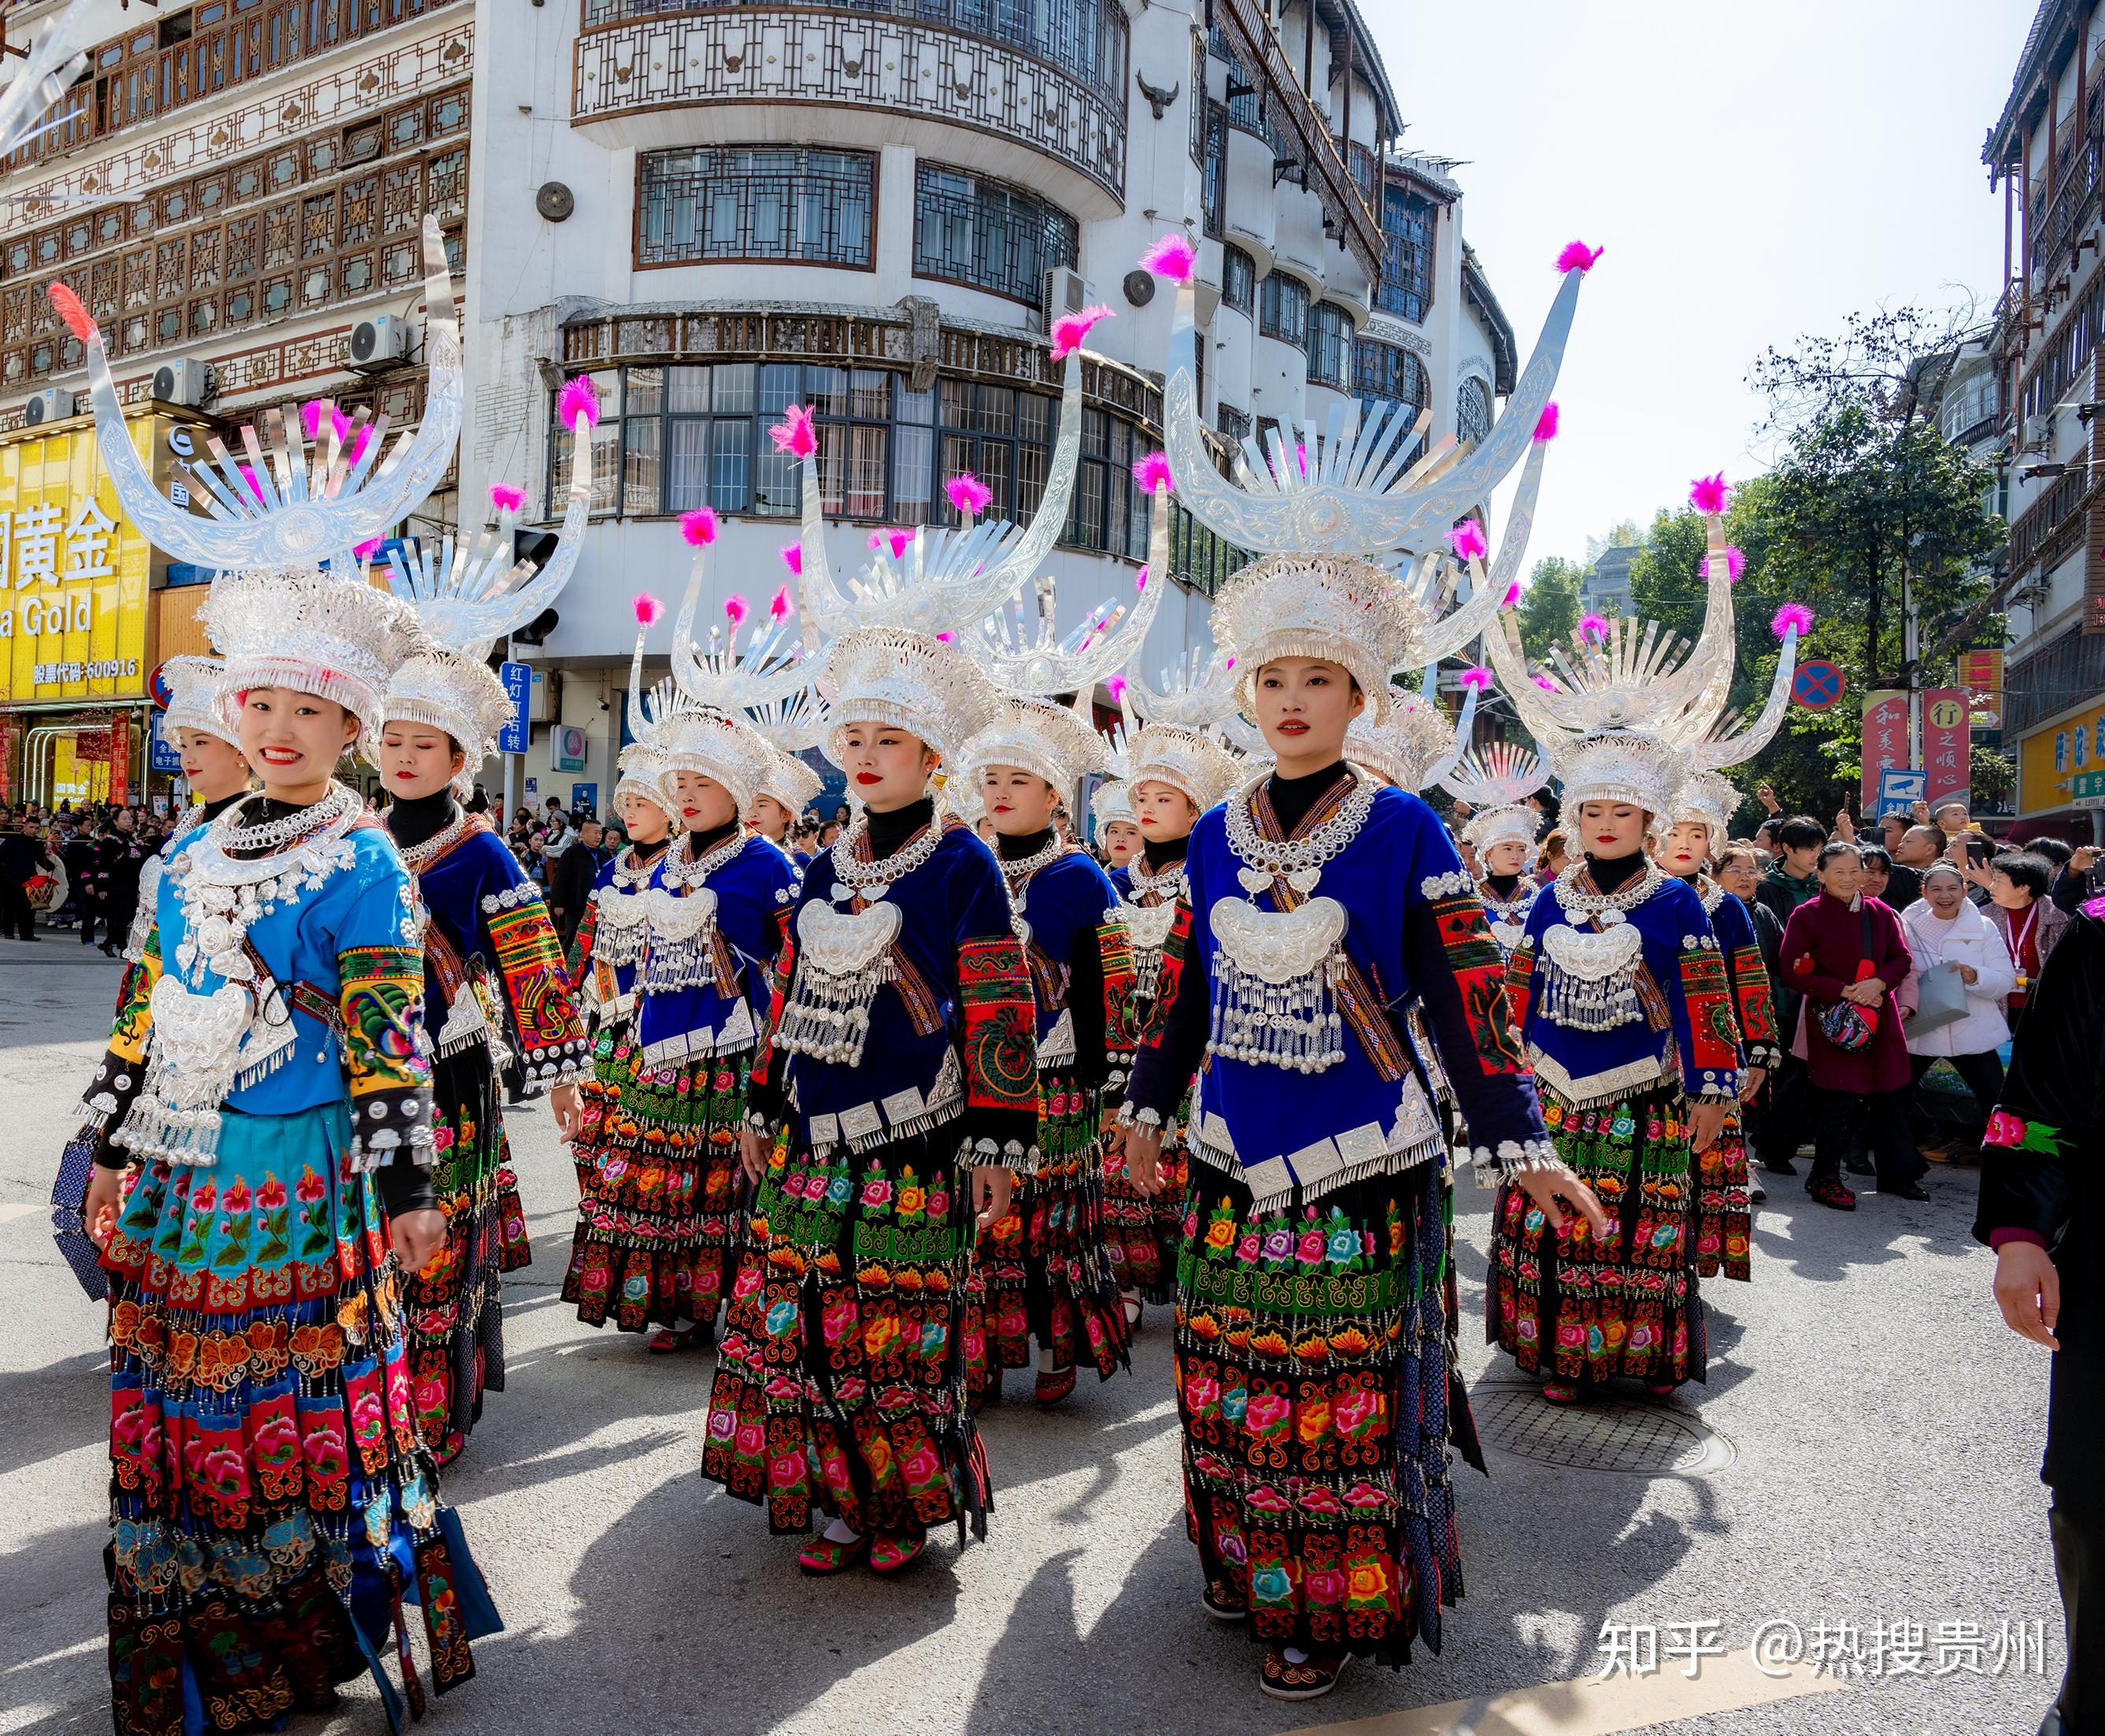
1496, 780
48, 71
1418, 745
290, 504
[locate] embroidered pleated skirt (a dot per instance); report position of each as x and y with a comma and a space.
840, 1382
273, 1504
455, 1305
1045, 1270
1569, 1308
1142, 1235
1724, 1216
1313, 1383
659, 1190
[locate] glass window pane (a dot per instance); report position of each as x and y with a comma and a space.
687, 465
646, 392
775, 483
779, 387
686, 389
732, 387
826, 391
730, 462
640, 479
912, 474
869, 392
911, 406
865, 487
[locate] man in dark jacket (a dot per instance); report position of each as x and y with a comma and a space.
571, 878
123, 855
84, 865
2042, 1209
21, 860
1793, 878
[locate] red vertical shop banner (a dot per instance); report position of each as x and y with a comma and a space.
1947, 743
7, 759
1885, 740
120, 759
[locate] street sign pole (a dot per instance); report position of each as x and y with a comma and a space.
1911, 650
513, 762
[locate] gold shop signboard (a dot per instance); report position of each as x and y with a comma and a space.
74, 573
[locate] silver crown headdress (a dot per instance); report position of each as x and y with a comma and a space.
1350, 487
1337, 607
1496, 780
912, 682
790, 781
48, 71
1111, 804
1190, 761
300, 628
1708, 799
716, 745
791, 724
1053, 742
452, 691
195, 688
931, 579
1417, 745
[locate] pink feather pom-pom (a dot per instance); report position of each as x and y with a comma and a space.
1115, 686
1468, 538
507, 499
78, 319
579, 402
968, 494
784, 606
698, 527
794, 434
1593, 627
648, 610
1069, 329
255, 487
792, 558
1230, 664
1152, 472
900, 541
1707, 494
1545, 425
1140, 579
367, 549
736, 609
310, 418
1512, 595
1173, 257
1545, 683
358, 442
1792, 618
1477, 677
339, 421
1735, 562
946, 637
1578, 256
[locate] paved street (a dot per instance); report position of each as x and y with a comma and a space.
1880, 1444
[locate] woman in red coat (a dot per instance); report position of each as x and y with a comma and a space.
1838, 947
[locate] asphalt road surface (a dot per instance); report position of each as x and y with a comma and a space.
1864, 1459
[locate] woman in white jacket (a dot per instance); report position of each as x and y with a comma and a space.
1945, 932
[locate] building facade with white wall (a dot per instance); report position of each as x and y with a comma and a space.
717, 210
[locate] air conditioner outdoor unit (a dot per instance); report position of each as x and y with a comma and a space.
2038, 432
376, 342
1066, 291
181, 382
51, 405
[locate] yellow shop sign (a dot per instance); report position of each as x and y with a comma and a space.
74, 574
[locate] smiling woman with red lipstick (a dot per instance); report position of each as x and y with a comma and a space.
493, 971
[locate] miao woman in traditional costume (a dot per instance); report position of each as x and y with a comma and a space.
274, 1504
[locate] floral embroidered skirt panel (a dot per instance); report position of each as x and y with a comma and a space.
659, 1188
1142, 1235
455, 1305
1045, 1270
273, 1504
840, 1383
1313, 1383
1567, 1309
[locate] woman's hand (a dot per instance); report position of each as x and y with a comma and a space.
570, 1112
1706, 1121
1967, 974
1867, 993
1556, 1187
1751, 1081
2028, 1291
991, 1188
752, 1153
415, 1237
99, 1212
1143, 1159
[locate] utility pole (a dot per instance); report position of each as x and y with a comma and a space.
1911, 655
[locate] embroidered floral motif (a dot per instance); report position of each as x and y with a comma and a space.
999, 1015
1479, 973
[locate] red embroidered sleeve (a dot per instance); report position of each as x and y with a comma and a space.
1750, 992
579, 963
1121, 1017
1714, 1035
1480, 975
779, 978
999, 1016
537, 987
1520, 983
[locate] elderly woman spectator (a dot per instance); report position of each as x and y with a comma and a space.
2030, 923
1843, 950
1947, 933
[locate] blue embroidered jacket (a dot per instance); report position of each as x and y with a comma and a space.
752, 890
1063, 907
1687, 1033
1414, 927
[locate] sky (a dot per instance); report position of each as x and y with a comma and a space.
1755, 169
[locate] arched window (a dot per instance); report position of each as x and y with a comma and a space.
987, 233
1388, 373
1472, 409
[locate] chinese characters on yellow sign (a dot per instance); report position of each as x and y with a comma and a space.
74, 573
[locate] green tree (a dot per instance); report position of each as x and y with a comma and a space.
1550, 605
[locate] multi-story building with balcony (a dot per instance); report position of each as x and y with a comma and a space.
2044, 152
721, 208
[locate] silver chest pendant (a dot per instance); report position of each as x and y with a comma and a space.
1274, 975
843, 960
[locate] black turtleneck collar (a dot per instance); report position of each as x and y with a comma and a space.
1015, 850
212, 810
1160, 853
1501, 885
700, 843
413, 819
647, 853
889, 832
1293, 797
1610, 872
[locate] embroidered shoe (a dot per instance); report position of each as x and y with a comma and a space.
1309, 1680
890, 1553
1222, 1602
1560, 1392
1827, 1190
670, 1340
1054, 1385
822, 1557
